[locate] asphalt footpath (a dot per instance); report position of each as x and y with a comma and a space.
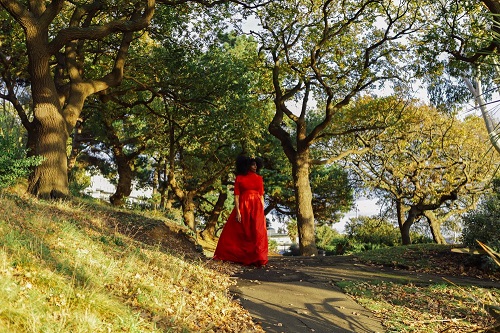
299, 294
294, 295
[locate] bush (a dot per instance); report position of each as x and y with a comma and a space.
330, 242
13, 161
483, 224
325, 236
273, 246
79, 180
419, 238
372, 230
294, 250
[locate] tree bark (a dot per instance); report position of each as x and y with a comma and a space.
211, 225
124, 164
75, 146
188, 208
156, 177
125, 175
435, 226
49, 133
405, 222
50, 179
303, 197
165, 194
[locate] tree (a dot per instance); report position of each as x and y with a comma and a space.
332, 191
210, 115
373, 230
215, 212
58, 38
322, 54
326, 237
483, 223
118, 126
460, 56
431, 166
127, 140
72, 50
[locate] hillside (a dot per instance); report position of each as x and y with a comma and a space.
82, 266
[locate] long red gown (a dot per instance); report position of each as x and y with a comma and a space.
245, 242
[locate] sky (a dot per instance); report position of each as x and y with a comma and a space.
362, 207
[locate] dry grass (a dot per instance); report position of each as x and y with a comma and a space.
429, 307
426, 309
80, 266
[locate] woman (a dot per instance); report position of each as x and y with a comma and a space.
244, 237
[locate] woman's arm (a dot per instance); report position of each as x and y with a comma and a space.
261, 190
237, 207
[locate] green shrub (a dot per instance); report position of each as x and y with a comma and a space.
326, 236
483, 224
293, 250
13, 161
273, 246
79, 180
419, 238
372, 230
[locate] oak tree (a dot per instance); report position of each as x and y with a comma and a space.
72, 50
322, 54
431, 166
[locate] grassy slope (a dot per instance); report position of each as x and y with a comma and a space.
79, 266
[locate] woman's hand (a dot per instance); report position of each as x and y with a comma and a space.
238, 216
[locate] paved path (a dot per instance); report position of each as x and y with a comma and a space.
298, 294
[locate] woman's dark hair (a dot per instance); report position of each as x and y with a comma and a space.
243, 163
258, 161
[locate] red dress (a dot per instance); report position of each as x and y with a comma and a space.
245, 242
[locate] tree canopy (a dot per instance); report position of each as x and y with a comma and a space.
429, 164
167, 93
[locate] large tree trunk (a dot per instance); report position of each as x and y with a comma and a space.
49, 132
188, 208
125, 175
435, 226
211, 225
404, 223
50, 179
303, 198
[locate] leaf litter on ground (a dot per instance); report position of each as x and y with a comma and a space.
80, 266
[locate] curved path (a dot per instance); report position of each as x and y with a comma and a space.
298, 294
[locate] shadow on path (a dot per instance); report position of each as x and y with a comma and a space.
298, 294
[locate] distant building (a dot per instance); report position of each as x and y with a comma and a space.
283, 240
101, 188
